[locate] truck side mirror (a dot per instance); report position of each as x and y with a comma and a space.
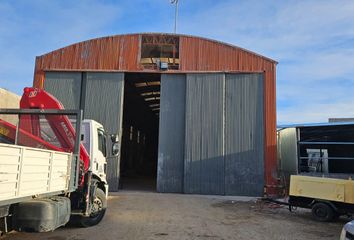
115, 144
114, 138
115, 149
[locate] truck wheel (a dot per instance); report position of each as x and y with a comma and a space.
322, 212
97, 211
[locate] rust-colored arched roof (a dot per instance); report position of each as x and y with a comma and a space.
122, 53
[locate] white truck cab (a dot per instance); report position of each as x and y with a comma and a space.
94, 140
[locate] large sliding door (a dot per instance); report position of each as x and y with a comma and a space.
100, 96
103, 102
170, 172
65, 86
212, 135
244, 135
204, 134
211, 129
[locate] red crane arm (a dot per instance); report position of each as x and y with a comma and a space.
8, 131
62, 127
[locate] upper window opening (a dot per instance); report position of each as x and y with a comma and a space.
157, 49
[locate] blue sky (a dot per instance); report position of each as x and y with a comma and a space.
312, 40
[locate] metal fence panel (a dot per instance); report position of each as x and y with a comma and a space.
103, 102
244, 135
65, 86
171, 133
204, 137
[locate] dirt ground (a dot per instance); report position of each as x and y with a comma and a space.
147, 215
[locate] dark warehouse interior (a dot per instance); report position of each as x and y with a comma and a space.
138, 166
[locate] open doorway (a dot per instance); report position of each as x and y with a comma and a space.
138, 165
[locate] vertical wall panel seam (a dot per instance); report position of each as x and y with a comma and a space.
201, 95
83, 92
223, 130
184, 131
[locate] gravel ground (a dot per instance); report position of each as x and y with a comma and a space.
147, 215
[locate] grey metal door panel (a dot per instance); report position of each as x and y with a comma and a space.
103, 102
104, 99
65, 86
193, 134
171, 133
100, 95
204, 137
244, 135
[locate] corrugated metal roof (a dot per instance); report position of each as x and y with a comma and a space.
279, 127
171, 34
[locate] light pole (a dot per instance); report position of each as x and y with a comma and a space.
176, 13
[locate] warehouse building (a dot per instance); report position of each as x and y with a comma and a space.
194, 115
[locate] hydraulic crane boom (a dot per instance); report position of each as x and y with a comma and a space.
30, 126
8, 135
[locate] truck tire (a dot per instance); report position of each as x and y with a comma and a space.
98, 210
322, 212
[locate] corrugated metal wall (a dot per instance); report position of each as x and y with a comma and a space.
270, 128
211, 137
104, 103
170, 172
100, 95
223, 134
104, 99
122, 52
107, 53
244, 135
204, 153
200, 54
65, 87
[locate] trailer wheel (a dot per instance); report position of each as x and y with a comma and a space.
322, 212
97, 211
